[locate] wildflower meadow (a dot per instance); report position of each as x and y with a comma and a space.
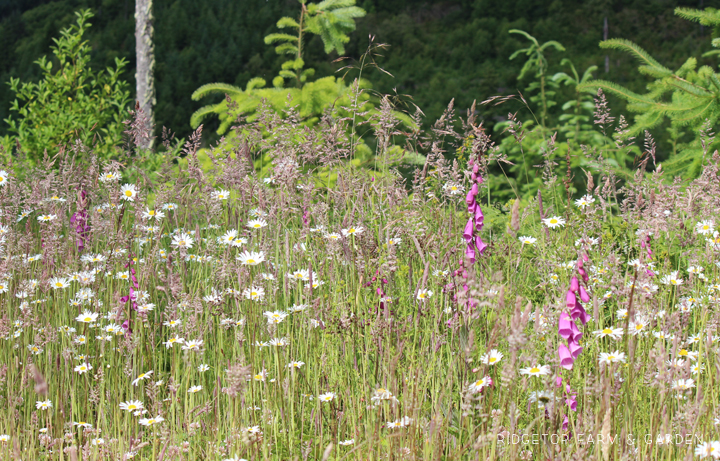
349, 281
215, 314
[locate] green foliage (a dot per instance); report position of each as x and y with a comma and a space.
688, 97
331, 20
534, 149
310, 100
71, 101
537, 62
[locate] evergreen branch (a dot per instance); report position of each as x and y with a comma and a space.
593, 85
707, 17
209, 88
272, 38
640, 54
198, 116
689, 88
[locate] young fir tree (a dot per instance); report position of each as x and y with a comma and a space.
688, 97
332, 20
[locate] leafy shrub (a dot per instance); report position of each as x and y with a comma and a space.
71, 102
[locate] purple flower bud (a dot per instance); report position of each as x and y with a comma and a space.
574, 284
570, 299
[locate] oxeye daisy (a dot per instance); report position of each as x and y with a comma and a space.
295, 364
705, 227
612, 357
83, 368
132, 405
708, 449
254, 293
352, 231
554, 222
492, 357
194, 389
46, 217
333, 236
203, 367
151, 421
128, 192
3, 178
182, 240
537, 370
172, 341
327, 397
43, 404
527, 240
87, 317
478, 385
683, 384
59, 282
302, 274
275, 317
142, 376
585, 201
221, 194
24, 214
109, 177
257, 224
614, 333
153, 214
193, 345
424, 294
672, 279
228, 237
251, 258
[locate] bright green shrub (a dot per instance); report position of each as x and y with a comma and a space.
71, 101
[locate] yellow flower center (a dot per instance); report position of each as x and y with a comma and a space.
492, 359
251, 261
128, 193
534, 370
607, 331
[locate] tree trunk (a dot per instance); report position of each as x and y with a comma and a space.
145, 57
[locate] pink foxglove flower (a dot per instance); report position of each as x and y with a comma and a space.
567, 328
475, 223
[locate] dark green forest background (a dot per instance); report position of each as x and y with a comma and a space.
438, 50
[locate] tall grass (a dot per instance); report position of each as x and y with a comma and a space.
367, 277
